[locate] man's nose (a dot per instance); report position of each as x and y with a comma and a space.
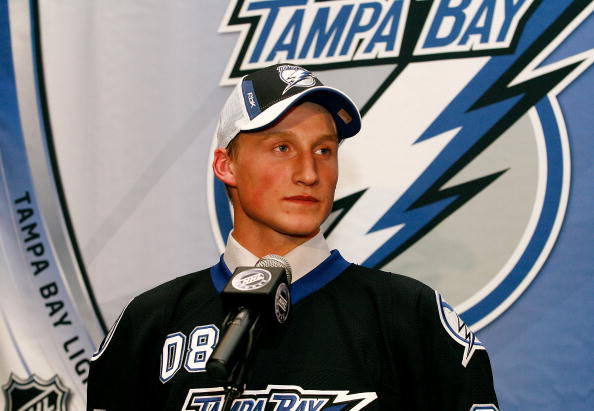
305, 169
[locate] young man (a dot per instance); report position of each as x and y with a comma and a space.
357, 338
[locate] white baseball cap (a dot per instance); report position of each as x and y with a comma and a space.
262, 97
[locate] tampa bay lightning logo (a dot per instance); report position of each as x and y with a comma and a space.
457, 329
460, 175
279, 397
295, 76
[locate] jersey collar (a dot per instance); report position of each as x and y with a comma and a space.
326, 271
302, 258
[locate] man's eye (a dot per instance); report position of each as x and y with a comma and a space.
281, 148
323, 151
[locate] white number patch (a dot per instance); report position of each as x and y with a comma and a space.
171, 356
203, 339
201, 344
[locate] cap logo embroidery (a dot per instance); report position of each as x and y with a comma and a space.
250, 97
295, 76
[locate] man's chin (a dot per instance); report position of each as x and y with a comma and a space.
300, 232
301, 226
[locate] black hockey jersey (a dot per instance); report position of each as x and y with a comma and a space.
356, 339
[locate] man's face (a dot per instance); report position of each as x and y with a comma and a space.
286, 175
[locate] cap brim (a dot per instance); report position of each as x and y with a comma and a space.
339, 105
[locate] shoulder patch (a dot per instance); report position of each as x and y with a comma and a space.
458, 330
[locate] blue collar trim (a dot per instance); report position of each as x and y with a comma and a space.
220, 275
317, 278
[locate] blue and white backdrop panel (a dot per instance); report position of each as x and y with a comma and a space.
473, 171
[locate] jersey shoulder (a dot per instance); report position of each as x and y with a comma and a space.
399, 304
147, 314
424, 323
169, 291
417, 308
400, 289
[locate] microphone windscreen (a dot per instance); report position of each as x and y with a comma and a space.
274, 260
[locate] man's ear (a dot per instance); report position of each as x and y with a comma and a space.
222, 166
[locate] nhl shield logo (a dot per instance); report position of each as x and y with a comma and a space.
35, 394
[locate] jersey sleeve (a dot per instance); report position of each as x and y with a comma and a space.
123, 370
458, 366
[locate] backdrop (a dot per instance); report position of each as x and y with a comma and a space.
473, 171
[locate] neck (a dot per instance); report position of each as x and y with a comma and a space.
264, 242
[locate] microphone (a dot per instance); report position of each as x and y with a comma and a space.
253, 297
274, 260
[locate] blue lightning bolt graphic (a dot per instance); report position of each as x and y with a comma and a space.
484, 109
296, 78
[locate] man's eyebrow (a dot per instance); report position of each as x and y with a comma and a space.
266, 135
271, 134
333, 137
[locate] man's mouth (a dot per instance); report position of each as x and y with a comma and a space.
302, 199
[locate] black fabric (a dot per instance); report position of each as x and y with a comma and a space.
367, 331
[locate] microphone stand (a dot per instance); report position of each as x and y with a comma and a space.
250, 289
237, 380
